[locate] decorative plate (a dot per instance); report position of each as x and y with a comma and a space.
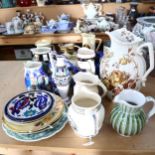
44, 134
28, 106
40, 124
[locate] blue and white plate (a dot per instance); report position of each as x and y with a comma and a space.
43, 134
28, 106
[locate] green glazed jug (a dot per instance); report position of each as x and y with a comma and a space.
127, 116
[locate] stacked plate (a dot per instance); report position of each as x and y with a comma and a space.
33, 116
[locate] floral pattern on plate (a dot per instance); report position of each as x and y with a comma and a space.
28, 106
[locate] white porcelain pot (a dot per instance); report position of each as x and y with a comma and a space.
86, 114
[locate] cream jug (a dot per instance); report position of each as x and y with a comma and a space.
127, 116
85, 60
123, 65
86, 114
88, 81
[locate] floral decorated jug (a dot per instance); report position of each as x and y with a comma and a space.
123, 65
127, 116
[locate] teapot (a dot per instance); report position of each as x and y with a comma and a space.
88, 81
92, 10
127, 116
123, 65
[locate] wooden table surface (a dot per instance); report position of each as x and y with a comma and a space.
106, 142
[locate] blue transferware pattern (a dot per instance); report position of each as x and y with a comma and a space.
64, 17
28, 106
62, 73
35, 77
40, 135
64, 26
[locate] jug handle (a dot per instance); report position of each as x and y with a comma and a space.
152, 111
103, 88
99, 43
151, 59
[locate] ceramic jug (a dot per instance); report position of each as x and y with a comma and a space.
86, 114
127, 116
88, 81
89, 40
123, 65
62, 78
86, 60
35, 77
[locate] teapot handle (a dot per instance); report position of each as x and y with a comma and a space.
151, 59
99, 43
152, 111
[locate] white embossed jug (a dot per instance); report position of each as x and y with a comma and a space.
88, 81
86, 114
123, 65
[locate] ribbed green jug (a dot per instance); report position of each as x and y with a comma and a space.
127, 116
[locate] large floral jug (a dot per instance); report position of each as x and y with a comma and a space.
123, 65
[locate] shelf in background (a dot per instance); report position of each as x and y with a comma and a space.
76, 11
54, 38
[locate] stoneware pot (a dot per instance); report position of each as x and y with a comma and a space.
127, 116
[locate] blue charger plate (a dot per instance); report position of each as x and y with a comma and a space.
28, 106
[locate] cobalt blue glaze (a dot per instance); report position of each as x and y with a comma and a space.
29, 106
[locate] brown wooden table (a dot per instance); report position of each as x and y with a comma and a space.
107, 142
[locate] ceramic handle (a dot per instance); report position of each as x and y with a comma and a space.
99, 43
152, 111
151, 59
103, 88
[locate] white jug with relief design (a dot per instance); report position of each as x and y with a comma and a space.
86, 114
123, 65
89, 82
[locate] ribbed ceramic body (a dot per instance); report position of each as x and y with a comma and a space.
127, 120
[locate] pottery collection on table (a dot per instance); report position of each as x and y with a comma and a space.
63, 85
